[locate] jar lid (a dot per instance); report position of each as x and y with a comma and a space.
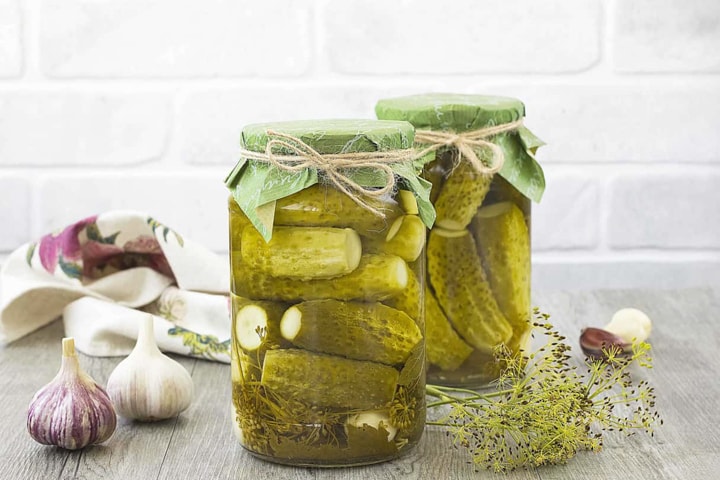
335, 136
449, 111
260, 178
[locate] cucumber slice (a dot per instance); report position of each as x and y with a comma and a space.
254, 317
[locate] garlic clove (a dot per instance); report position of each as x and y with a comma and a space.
630, 324
373, 419
596, 341
72, 411
148, 385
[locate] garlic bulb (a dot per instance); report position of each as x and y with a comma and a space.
72, 411
148, 385
630, 324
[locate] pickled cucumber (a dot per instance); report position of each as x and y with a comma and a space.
361, 331
376, 277
256, 318
408, 300
461, 288
444, 346
323, 206
408, 202
504, 245
363, 444
502, 191
406, 238
302, 252
462, 193
328, 381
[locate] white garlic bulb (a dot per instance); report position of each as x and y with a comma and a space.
72, 411
148, 385
630, 324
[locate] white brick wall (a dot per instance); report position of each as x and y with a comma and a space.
366, 36
10, 56
667, 36
139, 104
60, 128
174, 38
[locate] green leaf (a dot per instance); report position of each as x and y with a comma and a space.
200, 345
30, 252
93, 233
72, 270
529, 139
520, 167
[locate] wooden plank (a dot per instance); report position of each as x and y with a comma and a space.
25, 367
136, 450
200, 444
685, 345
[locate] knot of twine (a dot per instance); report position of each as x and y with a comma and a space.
467, 142
333, 165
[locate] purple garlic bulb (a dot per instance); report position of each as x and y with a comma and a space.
72, 411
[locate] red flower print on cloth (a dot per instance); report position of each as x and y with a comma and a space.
63, 247
92, 255
143, 244
145, 251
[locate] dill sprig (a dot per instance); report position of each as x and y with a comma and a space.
543, 410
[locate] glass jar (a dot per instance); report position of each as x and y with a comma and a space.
327, 296
477, 298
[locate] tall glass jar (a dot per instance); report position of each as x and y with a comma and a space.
327, 295
478, 294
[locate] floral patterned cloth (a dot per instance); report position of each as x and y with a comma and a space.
104, 273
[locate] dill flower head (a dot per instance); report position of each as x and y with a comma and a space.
544, 410
402, 409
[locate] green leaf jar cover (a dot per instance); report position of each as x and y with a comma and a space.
327, 234
484, 176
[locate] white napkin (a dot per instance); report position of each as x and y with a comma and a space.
104, 273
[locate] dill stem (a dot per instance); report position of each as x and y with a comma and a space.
443, 393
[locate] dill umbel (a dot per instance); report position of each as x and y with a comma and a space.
544, 409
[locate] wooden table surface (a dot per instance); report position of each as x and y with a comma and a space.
199, 443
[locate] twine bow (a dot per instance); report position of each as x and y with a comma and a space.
333, 165
467, 142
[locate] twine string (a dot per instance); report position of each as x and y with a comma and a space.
333, 165
467, 144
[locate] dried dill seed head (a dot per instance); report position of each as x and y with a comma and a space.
402, 409
544, 411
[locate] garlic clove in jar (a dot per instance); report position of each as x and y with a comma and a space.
72, 411
373, 419
630, 324
147, 385
596, 341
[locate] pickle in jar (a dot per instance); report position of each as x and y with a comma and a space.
360, 331
377, 276
463, 291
